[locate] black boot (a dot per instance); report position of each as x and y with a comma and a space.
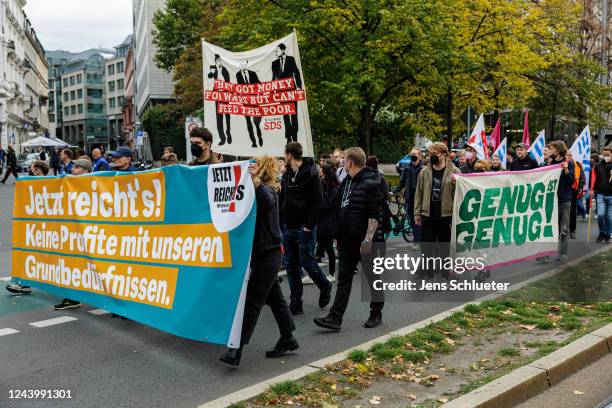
374, 320
325, 296
296, 308
328, 322
282, 347
232, 356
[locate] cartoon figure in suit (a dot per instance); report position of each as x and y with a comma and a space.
215, 70
245, 76
285, 67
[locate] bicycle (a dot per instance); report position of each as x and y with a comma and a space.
399, 218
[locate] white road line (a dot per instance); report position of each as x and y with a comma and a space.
7, 331
5, 279
99, 312
52, 322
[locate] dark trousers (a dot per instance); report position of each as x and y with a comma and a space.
347, 262
223, 133
249, 123
11, 170
264, 288
325, 244
416, 229
299, 248
435, 242
573, 215
291, 125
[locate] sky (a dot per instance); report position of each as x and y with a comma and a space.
77, 25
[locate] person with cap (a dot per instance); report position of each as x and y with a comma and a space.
201, 142
122, 159
523, 160
471, 157
99, 162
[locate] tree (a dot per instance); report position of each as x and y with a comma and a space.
165, 126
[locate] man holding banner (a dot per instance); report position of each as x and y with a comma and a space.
523, 160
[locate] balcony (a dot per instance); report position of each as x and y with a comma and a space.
11, 45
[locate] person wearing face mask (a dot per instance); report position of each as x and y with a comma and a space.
408, 183
523, 160
433, 204
470, 160
122, 159
201, 141
603, 190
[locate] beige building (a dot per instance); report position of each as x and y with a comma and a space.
115, 91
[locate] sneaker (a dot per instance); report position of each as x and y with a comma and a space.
573, 235
331, 278
232, 356
483, 275
600, 239
67, 304
374, 320
328, 322
296, 308
561, 258
325, 296
282, 347
607, 239
543, 259
307, 280
15, 288
415, 246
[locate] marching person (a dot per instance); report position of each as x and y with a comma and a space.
577, 193
264, 286
471, 156
201, 141
122, 159
358, 227
11, 164
495, 163
523, 160
433, 204
2, 157
300, 202
326, 231
66, 164
338, 157
55, 162
602, 171
408, 183
99, 162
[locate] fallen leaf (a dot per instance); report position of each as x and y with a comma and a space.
374, 402
334, 387
507, 312
442, 368
412, 397
346, 371
528, 327
576, 392
474, 367
289, 402
450, 341
484, 360
443, 400
434, 377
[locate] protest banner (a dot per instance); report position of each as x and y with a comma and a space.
169, 248
506, 217
255, 102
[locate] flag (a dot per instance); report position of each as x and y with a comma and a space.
478, 139
536, 150
525, 140
502, 153
495, 136
581, 152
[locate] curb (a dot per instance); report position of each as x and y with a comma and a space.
532, 379
256, 389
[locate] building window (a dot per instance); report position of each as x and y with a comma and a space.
66, 111
79, 78
80, 108
80, 94
111, 102
66, 96
120, 84
51, 84
51, 117
111, 86
72, 80
120, 100
73, 110
65, 81
111, 70
72, 95
120, 66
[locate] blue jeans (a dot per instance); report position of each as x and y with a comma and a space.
604, 214
299, 248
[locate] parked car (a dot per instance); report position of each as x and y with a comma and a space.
404, 161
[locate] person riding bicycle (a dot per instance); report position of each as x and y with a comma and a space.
408, 183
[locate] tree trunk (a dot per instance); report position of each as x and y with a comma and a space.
449, 117
365, 129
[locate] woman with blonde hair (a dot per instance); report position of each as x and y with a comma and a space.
264, 287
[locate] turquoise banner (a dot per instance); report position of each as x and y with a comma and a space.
169, 248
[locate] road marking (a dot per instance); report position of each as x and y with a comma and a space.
7, 331
52, 322
99, 312
5, 279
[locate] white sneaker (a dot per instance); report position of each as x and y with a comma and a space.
415, 246
306, 280
331, 278
15, 288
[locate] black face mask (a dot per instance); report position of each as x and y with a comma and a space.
434, 159
196, 150
414, 157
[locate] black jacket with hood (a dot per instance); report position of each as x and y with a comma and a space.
301, 196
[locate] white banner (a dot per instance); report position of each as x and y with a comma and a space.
255, 101
506, 217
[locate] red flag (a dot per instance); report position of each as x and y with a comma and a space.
525, 140
495, 138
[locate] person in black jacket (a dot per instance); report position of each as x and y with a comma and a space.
264, 286
602, 171
408, 183
11, 164
246, 76
471, 157
218, 71
329, 216
301, 202
523, 160
358, 228
284, 67
55, 162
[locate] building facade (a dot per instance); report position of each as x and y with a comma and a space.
56, 60
115, 92
128, 110
153, 85
23, 77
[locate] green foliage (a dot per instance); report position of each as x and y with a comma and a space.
288, 388
509, 352
358, 356
165, 126
472, 308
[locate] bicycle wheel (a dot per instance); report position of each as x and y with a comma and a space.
406, 229
396, 207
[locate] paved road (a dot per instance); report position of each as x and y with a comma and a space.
109, 362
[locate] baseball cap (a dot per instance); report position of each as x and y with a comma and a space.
122, 151
520, 145
84, 163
